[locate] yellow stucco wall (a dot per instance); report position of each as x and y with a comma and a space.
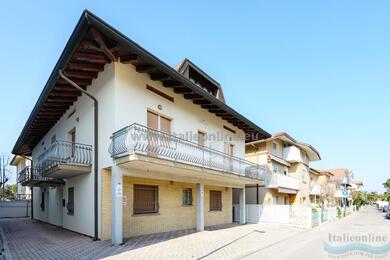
172, 214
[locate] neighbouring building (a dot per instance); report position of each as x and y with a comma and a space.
288, 179
123, 144
321, 189
357, 185
342, 179
22, 165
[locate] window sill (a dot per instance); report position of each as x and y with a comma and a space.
145, 214
216, 211
183, 205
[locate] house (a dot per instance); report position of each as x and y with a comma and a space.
321, 189
342, 179
124, 145
22, 165
357, 185
288, 179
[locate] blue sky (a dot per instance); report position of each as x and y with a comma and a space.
319, 70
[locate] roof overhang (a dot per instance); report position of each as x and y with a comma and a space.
92, 44
312, 153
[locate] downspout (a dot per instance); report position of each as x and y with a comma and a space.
96, 159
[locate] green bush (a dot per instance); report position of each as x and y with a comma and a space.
338, 212
313, 210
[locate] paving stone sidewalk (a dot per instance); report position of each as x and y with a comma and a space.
30, 239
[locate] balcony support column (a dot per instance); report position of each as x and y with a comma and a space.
117, 217
242, 206
199, 206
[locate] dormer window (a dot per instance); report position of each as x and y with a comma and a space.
200, 78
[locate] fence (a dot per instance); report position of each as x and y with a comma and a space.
287, 214
278, 214
15, 209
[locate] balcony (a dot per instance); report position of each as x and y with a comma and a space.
32, 177
136, 140
292, 154
315, 189
65, 160
284, 183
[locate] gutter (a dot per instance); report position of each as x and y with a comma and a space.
96, 159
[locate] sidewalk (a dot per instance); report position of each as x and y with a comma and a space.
33, 239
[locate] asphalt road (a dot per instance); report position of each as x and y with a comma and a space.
310, 244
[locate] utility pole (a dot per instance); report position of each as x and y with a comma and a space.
3, 164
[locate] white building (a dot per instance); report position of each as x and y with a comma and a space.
22, 165
164, 152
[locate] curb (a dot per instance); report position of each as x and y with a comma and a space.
5, 254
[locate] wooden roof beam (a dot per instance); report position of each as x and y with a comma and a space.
193, 96
126, 59
86, 66
158, 76
201, 102
91, 46
172, 83
145, 68
88, 57
80, 74
182, 90
99, 39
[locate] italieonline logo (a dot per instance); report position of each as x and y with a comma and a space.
341, 245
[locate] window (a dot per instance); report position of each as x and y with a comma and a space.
201, 138
187, 197
275, 168
275, 147
42, 201
72, 139
304, 176
70, 205
285, 201
229, 149
145, 199
285, 171
158, 122
215, 200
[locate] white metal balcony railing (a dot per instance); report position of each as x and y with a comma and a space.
283, 181
143, 140
63, 152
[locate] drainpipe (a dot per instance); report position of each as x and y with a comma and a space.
96, 160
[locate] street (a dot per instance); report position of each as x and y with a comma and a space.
310, 244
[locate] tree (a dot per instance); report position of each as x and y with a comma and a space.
386, 184
9, 192
360, 198
327, 194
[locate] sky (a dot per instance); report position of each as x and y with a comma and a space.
319, 70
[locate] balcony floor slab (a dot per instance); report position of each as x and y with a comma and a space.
154, 168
